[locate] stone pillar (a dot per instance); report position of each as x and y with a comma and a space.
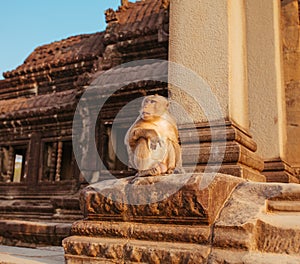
209, 38
59, 160
267, 108
33, 158
291, 62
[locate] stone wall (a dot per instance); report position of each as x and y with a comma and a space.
291, 60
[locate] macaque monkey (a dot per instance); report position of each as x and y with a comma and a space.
152, 140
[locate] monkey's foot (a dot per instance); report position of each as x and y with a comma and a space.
179, 171
150, 172
143, 173
170, 171
159, 169
140, 174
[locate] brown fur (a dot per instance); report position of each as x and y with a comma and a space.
152, 141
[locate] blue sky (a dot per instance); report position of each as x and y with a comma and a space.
26, 24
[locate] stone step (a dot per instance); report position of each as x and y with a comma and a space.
28, 216
79, 249
32, 234
138, 231
283, 206
67, 215
67, 203
261, 216
279, 233
15, 205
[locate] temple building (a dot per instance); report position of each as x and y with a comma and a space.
248, 53
39, 176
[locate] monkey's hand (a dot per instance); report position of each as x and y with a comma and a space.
143, 133
154, 141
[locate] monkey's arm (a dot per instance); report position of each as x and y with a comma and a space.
148, 134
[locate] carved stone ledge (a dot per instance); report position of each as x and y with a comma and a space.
174, 199
32, 234
279, 171
109, 250
139, 231
244, 229
251, 220
221, 147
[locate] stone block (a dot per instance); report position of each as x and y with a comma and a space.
291, 65
139, 231
63, 230
255, 223
289, 13
279, 234
247, 222
181, 199
279, 171
290, 38
109, 250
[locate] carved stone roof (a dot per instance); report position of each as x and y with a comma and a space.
135, 19
61, 53
133, 72
136, 31
38, 105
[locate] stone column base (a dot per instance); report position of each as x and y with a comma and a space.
220, 147
279, 171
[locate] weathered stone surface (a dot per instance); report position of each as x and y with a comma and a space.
100, 250
184, 199
291, 58
246, 222
283, 206
279, 171
32, 234
292, 90
221, 145
256, 224
279, 234
139, 231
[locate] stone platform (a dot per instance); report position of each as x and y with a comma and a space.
197, 218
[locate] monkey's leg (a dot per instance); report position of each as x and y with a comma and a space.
170, 159
178, 160
158, 169
145, 163
142, 156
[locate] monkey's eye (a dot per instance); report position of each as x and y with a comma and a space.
152, 101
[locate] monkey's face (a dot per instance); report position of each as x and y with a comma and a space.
153, 106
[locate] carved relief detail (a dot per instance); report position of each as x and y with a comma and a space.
184, 206
110, 15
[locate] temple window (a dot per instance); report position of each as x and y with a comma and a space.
57, 161
12, 163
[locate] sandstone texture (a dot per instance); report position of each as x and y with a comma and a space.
253, 222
